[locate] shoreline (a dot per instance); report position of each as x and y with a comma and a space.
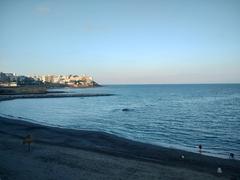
63, 94
113, 146
204, 152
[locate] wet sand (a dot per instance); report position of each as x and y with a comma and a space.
58, 153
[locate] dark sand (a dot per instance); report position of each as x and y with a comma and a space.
72, 154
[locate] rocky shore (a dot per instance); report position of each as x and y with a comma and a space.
49, 95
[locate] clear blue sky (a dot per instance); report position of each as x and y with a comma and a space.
123, 41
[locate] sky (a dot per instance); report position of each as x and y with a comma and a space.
123, 41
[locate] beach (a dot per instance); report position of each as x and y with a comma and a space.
58, 153
120, 90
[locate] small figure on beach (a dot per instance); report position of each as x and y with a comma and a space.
219, 170
182, 156
28, 140
231, 156
200, 148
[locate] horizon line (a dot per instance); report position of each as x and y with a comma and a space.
214, 83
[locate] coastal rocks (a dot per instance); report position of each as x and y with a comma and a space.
50, 95
126, 109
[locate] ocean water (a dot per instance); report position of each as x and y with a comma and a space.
176, 116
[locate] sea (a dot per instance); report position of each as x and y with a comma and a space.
174, 116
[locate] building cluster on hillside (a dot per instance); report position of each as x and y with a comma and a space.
12, 80
69, 80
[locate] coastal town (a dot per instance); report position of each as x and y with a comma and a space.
77, 81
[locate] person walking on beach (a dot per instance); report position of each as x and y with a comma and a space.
231, 156
200, 148
28, 140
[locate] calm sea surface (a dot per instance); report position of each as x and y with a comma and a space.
177, 116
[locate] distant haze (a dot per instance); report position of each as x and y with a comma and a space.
124, 41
